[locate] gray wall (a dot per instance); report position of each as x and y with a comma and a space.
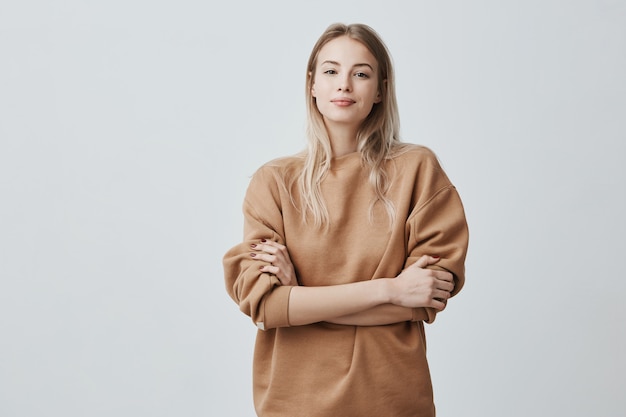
129, 130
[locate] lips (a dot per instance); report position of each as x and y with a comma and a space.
342, 101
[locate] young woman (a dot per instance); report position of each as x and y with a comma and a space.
348, 248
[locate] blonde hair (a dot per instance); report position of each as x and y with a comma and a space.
377, 138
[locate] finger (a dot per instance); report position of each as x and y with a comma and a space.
433, 259
264, 247
261, 256
270, 269
271, 246
441, 295
438, 305
445, 286
443, 275
426, 260
274, 270
422, 262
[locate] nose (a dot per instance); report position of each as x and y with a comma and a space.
345, 84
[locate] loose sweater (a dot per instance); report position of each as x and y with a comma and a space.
330, 370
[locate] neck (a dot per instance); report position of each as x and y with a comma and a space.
342, 139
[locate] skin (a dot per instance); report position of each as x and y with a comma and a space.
366, 303
345, 87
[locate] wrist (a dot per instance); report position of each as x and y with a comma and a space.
386, 291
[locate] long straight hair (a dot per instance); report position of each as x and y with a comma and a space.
377, 138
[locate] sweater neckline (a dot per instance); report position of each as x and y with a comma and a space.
345, 161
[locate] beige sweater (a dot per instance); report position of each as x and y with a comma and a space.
331, 370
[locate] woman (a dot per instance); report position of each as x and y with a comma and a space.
349, 247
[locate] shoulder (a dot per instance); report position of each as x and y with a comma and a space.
276, 175
418, 167
409, 155
281, 167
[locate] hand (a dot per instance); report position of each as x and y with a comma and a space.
278, 258
417, 286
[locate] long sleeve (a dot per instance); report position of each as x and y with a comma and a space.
359, 244
258, 295
437, 226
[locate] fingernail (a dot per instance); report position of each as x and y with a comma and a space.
263, 240
253, 246
436, 256
253, 254
261, 267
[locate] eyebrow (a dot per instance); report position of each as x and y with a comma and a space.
365, 64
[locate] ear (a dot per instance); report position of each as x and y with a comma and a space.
312, 84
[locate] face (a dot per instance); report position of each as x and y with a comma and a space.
345, 84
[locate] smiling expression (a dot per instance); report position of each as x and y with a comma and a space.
345, 84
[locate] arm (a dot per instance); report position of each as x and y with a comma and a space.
436, 225
365, 303
391, 313
440, 227
376, 316
260, 277
415, 287
258, 294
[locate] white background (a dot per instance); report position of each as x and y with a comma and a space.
129, 130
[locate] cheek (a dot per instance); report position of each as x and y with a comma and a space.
320, 87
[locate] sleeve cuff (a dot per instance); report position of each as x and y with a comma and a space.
275, 309
424, 314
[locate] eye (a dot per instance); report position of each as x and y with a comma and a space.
361, 75
330, 72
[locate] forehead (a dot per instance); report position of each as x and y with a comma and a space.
346, 51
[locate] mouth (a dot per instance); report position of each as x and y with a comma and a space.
342, 101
